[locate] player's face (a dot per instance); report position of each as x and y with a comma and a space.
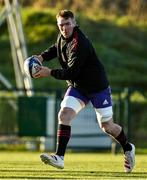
66, 26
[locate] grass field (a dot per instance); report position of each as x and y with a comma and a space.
27, 165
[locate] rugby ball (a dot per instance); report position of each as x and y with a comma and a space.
32, 65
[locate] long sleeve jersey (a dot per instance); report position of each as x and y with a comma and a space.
81, 67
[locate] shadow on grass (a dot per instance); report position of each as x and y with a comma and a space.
68, 174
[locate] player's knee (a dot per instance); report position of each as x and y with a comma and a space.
62, 115
106, 126
65, 115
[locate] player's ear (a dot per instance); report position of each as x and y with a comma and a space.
74, 21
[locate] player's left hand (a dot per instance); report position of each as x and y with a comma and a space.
44, 72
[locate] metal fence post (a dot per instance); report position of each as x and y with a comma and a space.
128, 112
58, 97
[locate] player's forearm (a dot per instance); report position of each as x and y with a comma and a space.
50, 53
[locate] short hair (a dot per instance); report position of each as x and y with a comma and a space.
65, 14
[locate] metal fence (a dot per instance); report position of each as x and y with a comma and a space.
22, 115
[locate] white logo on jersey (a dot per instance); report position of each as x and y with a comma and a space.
105, 102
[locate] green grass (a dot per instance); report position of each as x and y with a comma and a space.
27, 165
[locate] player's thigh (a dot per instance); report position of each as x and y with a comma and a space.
72, 103
102, 103
104, 115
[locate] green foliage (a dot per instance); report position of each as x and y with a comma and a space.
40, 33
120, 42
139, 115
122, 49
40, 25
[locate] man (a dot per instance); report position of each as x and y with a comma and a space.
87, 82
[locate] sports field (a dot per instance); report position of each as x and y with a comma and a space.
27, 165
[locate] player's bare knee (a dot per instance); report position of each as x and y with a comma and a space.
106, 126
65, 115
62, 115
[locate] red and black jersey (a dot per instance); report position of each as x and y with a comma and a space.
81, 66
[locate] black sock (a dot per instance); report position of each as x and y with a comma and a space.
121, 138
63, 136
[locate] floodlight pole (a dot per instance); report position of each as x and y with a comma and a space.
18, 48
27, 81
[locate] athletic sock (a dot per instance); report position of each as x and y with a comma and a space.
121, 138
63, 136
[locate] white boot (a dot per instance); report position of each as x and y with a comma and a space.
53, 160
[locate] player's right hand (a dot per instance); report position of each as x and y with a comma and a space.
44, 72
39, 57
